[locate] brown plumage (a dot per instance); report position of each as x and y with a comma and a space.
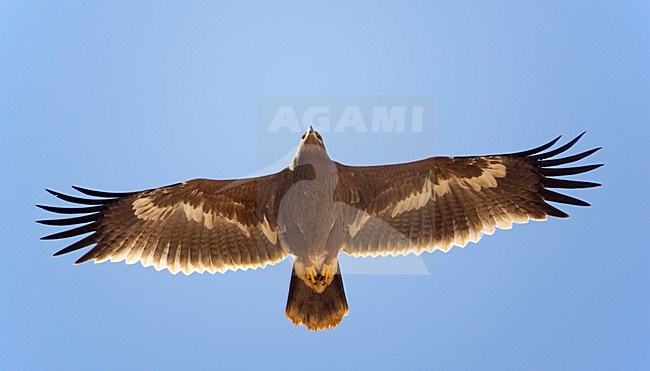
316, 208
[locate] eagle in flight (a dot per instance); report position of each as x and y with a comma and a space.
316, 208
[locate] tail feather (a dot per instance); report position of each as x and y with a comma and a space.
314, 310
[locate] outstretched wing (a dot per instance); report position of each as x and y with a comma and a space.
199, 225
442, 202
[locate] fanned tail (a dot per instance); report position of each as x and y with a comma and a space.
316, 311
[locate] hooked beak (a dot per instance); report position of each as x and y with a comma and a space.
313, 137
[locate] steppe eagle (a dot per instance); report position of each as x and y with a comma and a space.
316, 208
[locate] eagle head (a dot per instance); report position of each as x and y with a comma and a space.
312, 138
311, 150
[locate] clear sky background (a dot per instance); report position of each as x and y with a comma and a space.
130, 95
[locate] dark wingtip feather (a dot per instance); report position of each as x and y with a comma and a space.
564, 199
553, 211
535, 150
562, 183
94, 193
89, 255
72, 232
77, 200
70, 210
558, 150
567, 160
70, 221
569, 170
86, 241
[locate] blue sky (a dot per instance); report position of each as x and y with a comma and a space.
132, 95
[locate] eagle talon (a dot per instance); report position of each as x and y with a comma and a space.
311, 274
327, 272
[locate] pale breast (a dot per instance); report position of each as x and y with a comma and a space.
307, 215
